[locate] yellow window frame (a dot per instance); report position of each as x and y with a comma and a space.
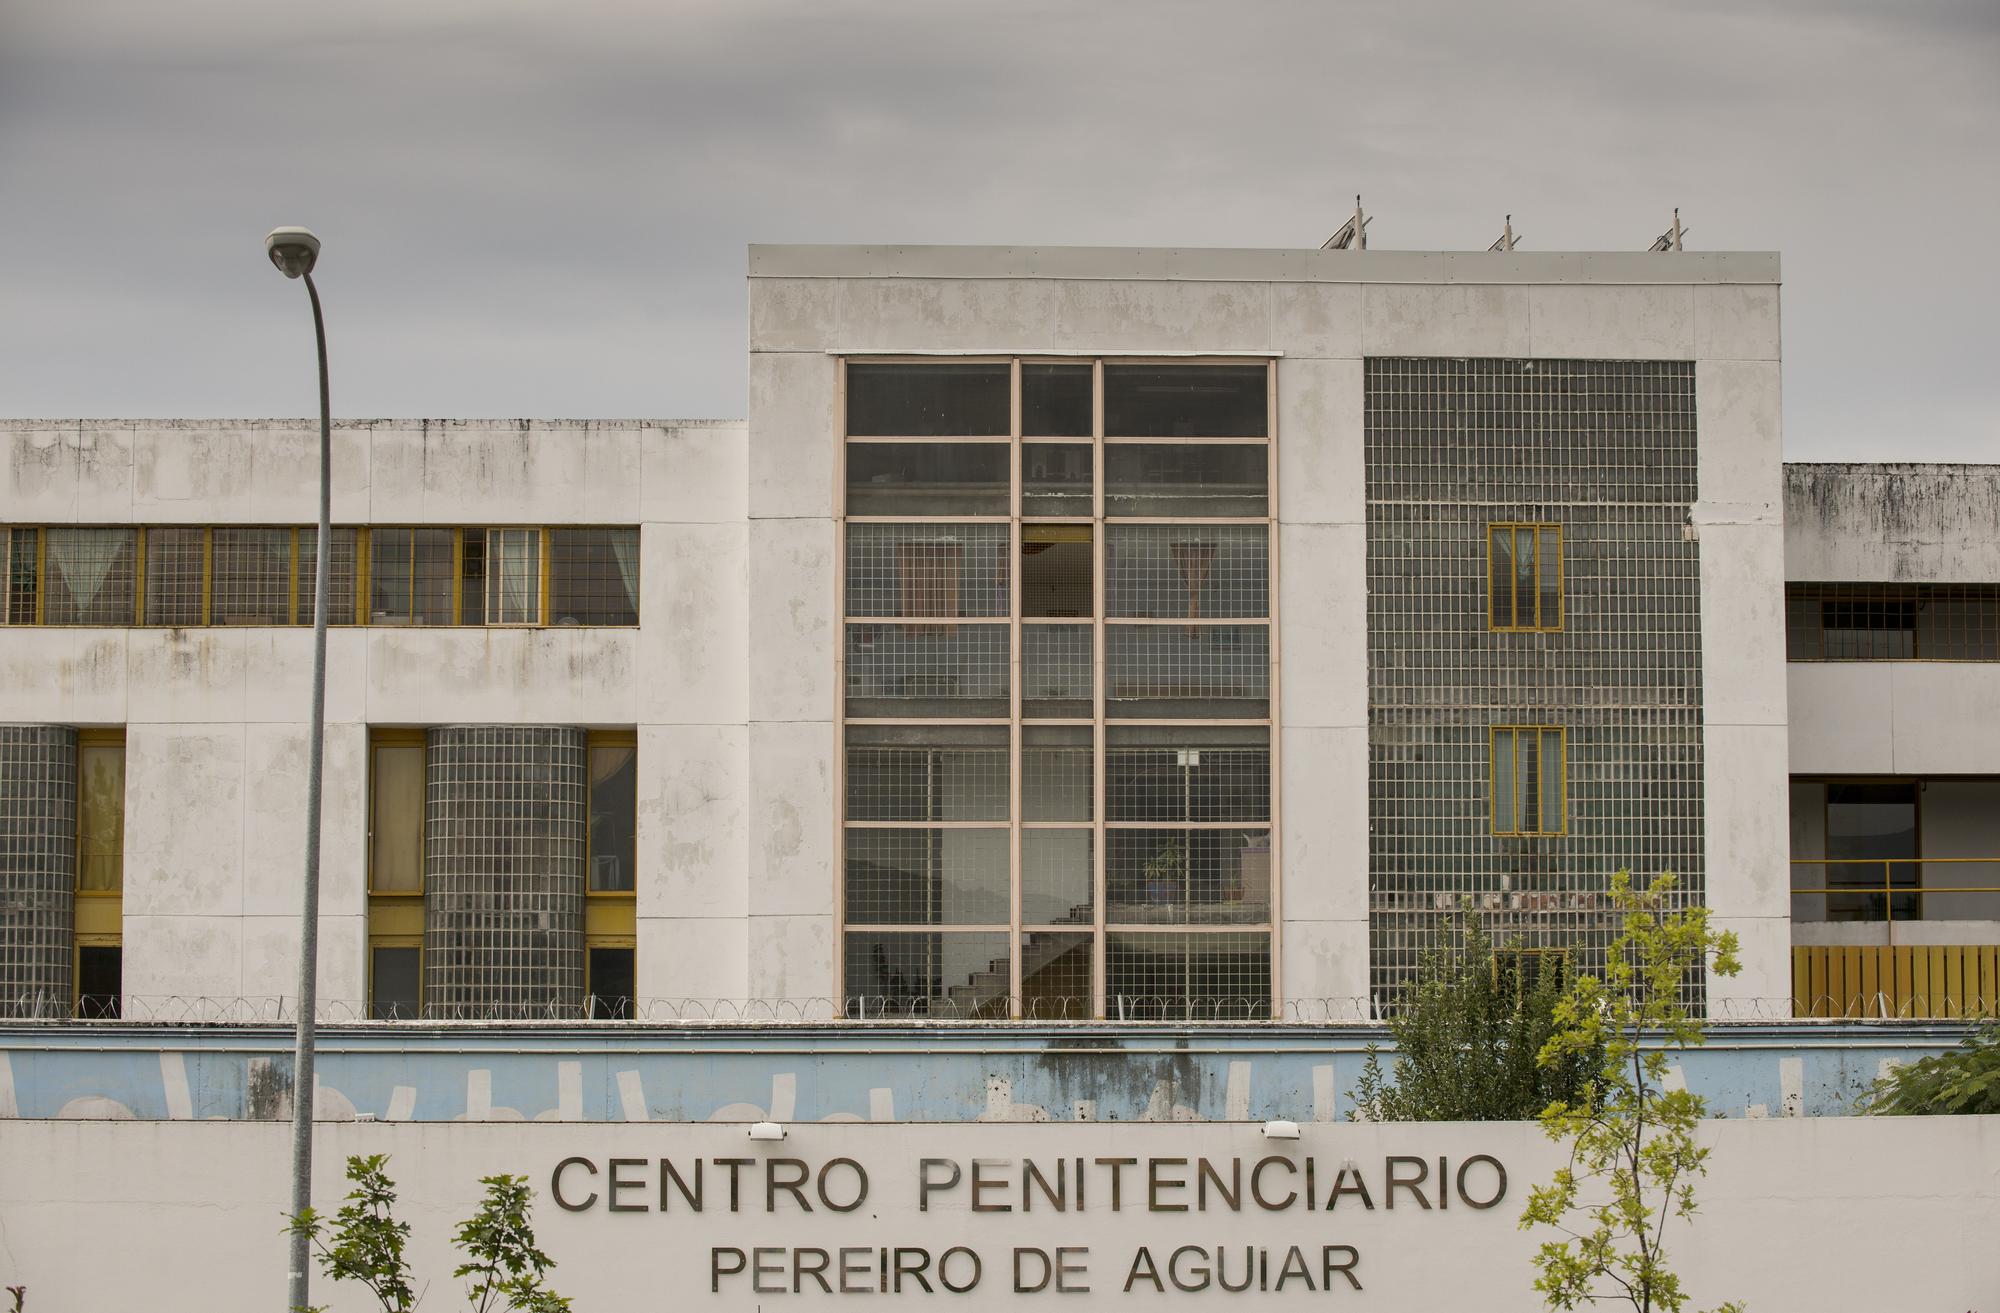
610, 916
1531, 532
1515, 733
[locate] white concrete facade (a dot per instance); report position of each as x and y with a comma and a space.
730, 677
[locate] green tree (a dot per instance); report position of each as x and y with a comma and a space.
1633, 1155
506, 1268
1965, 1079
1469, 1034
365, 1242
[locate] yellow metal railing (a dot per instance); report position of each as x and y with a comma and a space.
1931, 981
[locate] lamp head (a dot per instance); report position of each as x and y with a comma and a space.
293, 250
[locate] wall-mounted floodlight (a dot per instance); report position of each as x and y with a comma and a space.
767, 1130
1281, 1130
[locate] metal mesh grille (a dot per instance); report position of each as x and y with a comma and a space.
505, 811
927, 670
1606, 450
1057, 773
956, 975
948, 570
37, 868
410, 576
340, 576
926, 877
927, 773
1170, 571
1892, 622
252, 577
1187, 773
1056, 877
174, 568
1194, 977
1187, 877
594, 576
87, 576
18, 548
1055, 670
1187, 671
1055, 976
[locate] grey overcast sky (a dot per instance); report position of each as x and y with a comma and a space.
541, 209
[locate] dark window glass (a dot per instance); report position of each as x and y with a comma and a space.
926, 877
1187, 773
611, 975
614, 780
1868, 827
1185, 479
251, 577
927, 400
594, 576
392, 991
927, 670
409, 576
1055, 478
174, 567
1188, 977
1187, 877
1185, 401
339, 572
17, 549
472, 577
917, 478
903, 974
100, 980
1055, 401
1057, 562
1055, 670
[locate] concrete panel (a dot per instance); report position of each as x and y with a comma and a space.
1762, 990
1323, 637
284, 474
1416, 320
277, 684
1747, 848
1961, 818
1736, 322
1321, 466
695, 473
488, 474
103, 475
1842, 717
186, 676
1316, 320
1325, 970
695, 617
184, 808
66, 676
791, 818
1892, 523
186, 957
694, 799
396, 474
685, 960
792, 628
197, 472
1740, 440
792, 434
791, 957
1156, 316
271, 962
793, 314
273, 820
612, 487
38, 480
1944, 714
496, 676
943, 315
1325, 801
1742, 623
1611, 323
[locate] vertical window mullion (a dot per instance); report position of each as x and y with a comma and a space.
1015, 984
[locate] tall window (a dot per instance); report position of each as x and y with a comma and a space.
1530, 780
100, 871
395, 874
1057, 782
610, 916
1524, 566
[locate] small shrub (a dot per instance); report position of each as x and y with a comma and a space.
1965, 1079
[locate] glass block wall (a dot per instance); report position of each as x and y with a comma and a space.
1606, 450
37, 868
504, 843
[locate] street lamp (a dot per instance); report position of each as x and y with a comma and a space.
294, 251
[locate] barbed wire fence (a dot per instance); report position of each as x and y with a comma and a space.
904, 1010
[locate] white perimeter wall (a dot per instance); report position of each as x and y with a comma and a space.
1324, 312
1834, 1215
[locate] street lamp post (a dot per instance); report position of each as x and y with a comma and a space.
294, 251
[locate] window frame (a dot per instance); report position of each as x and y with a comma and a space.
1517, 731
395, 916
98, 915
610, 916
1534, 530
